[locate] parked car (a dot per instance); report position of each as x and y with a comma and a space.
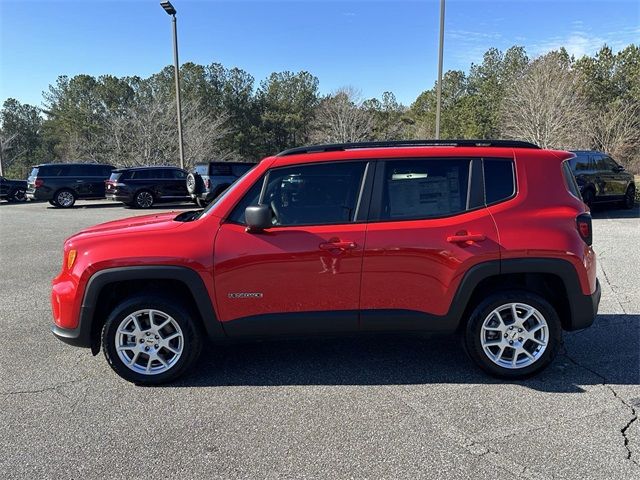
64, 183
208, 180
487, 238
602, 179
142, 187
13, 190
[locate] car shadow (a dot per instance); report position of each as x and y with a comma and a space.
608, 351
606, 211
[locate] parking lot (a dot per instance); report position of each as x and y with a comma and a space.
387, 407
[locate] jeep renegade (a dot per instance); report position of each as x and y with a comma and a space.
489, 239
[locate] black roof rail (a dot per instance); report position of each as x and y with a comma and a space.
337, 147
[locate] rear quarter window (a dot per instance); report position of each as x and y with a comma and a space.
499, 180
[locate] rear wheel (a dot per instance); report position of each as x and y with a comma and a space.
143, 199
513, 334
64, 199
148, 340
18, 195
629, 197
588, 197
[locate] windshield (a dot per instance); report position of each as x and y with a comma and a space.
233, 186
34, 172
115, 176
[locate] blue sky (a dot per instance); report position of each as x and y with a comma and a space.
372, 45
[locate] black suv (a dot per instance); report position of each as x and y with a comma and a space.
63, 183
208, 180
13, 190
141, 187
601, 179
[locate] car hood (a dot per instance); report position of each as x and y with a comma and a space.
142, 224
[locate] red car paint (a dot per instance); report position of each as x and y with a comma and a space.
414, 265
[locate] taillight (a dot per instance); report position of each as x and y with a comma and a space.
38, 183
207, 183
583, 222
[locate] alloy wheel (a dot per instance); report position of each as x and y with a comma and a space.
149, 342
514, 335
65, 199
144, 199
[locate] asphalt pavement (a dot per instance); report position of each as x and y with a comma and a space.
388, 407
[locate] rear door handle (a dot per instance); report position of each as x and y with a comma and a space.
338, 245
461, 237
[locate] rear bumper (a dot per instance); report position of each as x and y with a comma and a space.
584, 309
119, 197
38, 194
78, 337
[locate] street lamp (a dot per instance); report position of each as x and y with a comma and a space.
172, 11
439, 86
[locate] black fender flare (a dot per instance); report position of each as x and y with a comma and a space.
83, 334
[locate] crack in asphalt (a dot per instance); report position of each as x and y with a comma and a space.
46, 389
613, 288
634, 413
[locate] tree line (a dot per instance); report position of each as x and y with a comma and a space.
554, 100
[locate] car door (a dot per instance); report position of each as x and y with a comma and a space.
616, 178
177, 183
427, 227
302, 275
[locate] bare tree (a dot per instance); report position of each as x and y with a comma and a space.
616, 130
144, 134
342, 118
7, 156
545, 106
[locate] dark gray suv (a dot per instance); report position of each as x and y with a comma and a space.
602, 179
63, 183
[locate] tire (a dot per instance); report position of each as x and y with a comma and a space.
629, 197
157, 355
143, 199
195, 184
588, 197
18, 195
64, 198
202, 203
510, 338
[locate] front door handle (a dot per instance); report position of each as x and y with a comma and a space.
463, 237
338, 245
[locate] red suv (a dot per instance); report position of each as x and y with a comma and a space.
487, 238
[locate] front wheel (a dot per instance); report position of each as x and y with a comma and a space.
513, 334
149, 341
629, 197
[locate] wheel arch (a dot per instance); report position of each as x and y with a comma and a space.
108, 287
553, 278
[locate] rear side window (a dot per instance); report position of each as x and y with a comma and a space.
177, 174
239, 170
222, 169
499, 182
424, 188
580, 163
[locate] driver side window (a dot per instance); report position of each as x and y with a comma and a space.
317, 194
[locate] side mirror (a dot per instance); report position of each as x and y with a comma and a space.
257, 218
618, 168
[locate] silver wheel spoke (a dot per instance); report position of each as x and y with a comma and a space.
147, 341
514, 337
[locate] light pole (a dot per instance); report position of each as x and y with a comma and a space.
172, 11
439, 86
